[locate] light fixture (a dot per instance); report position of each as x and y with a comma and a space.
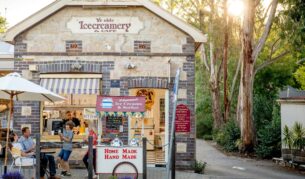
130, 66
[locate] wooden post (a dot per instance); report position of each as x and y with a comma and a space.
8, 131
90, 161
144, 158
37, 156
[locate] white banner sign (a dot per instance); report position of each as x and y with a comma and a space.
109, 159
89, 113
122, 25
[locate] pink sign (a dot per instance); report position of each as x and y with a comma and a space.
183, 118
120, 103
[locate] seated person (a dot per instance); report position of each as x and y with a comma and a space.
16, 150
74, 120
28, 146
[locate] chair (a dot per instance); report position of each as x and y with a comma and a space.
21, 162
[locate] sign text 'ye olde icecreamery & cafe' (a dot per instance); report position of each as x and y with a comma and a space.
105, 25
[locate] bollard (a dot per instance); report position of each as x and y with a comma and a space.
37, 156
90, 161
144, 158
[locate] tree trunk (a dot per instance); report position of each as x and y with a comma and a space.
225, 63
216, 104
247, 78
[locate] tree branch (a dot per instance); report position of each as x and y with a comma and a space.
219, 69
267, 10
235, 76
204, 58
263, 38
268, 62
272, 47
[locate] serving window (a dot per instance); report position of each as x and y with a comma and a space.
79, 105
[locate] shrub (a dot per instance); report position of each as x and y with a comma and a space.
269, 137
287, 137
298, 136
204, 127
199, 167
227, 136
208, 137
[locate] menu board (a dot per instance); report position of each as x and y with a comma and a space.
113, 124
183, 116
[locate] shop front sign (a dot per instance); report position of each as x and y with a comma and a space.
120, 103
121, 25
183, 118
119, 160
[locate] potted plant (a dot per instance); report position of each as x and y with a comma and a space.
298, 142
199, 167
12, 175
287, 153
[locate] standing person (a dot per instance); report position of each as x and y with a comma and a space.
63, 156
28, 146
75, 120
92, 132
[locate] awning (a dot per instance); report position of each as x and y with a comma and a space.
72, 85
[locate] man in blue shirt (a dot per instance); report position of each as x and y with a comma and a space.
28, 146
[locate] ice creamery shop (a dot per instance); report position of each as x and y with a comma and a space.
83, 49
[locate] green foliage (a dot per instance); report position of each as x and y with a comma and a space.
287, 137
204, 116
292, 23
3, 24
228, 136
204, 126
299, 75
295, 137
298, 136
269, 137
199, 167
208, 137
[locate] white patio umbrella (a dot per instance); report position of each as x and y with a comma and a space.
16, 88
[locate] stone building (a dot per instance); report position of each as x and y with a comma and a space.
84, 48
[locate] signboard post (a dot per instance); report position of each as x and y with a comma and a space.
172, 150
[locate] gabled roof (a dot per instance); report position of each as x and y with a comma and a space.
197, 35
292, 93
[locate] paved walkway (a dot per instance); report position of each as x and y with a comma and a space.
219, 166
222, 166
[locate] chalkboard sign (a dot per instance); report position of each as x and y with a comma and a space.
113, 124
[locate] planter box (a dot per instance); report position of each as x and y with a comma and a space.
286, 154
297, 156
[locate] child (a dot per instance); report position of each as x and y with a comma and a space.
66, 150
92, 132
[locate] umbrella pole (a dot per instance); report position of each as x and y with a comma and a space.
8, 131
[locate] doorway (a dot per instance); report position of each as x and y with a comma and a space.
154, 124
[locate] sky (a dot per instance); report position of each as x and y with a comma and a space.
17, 10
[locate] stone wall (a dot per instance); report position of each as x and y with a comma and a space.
51, 34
